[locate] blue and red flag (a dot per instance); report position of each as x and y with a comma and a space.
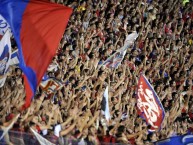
148, 104
37, 26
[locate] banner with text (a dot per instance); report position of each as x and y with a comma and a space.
148, 104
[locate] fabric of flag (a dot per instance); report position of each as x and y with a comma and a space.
115, 60
148, 104
37, 26
5, 55
105, 105
14, 58
131, 37
41, 139
177, 140
51, 85
4, 26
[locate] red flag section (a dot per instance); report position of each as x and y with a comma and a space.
42, 28
37, 26
148, 104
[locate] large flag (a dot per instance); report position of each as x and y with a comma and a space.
5, 55
148, 104
37, 26
51, 85
177, 140
105, 105
115, 60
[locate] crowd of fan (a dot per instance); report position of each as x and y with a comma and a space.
97, 28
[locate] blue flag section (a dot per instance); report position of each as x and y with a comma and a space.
177, 140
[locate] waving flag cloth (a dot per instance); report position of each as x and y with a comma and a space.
5, 56
37, 26
177, 140
115, 60
14, 58
51, 85
148, 104
105, 105
41, 140
4, 26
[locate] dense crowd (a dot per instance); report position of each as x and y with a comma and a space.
97, 28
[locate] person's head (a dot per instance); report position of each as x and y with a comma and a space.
93, 130
172, 83
152, 137
18, 72
14, 110
85, 132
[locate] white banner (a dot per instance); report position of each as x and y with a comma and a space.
4, 26
5, 56
105, 105
131, 37
41, 140
115, 60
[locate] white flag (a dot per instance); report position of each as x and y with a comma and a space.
105, 105
131, 37
4, 26
115, 60
5, 56
41, 140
